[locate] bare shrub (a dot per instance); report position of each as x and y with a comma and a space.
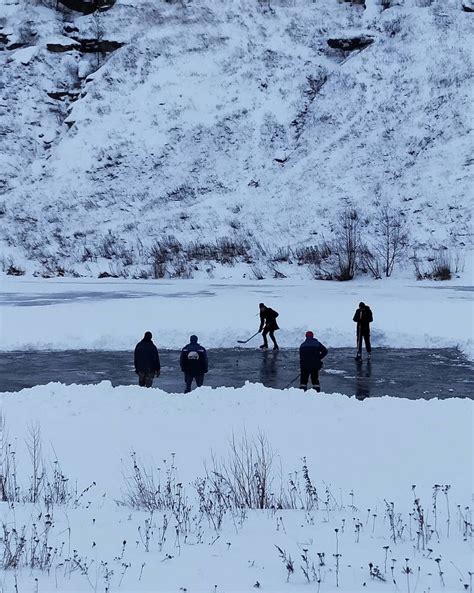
257, 272
370, 261
347, 243
438, 266
229, 250
12, 269
282, 255
441, 266
200, 251
162, 252
389, 241
181, 268
47, 482
144, 489
314, 255
246, 476
113, 247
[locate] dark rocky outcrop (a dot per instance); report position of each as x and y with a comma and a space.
61, 95
62, 47
86, 46
350, 43
468, 6
67, 29
103, 46
87, 7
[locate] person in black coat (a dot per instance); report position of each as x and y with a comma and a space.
268, 325
193, 362
312, 353
147, 361
363, 317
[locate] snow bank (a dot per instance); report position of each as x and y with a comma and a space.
379, 445
363, 453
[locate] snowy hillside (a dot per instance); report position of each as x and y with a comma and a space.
158, 138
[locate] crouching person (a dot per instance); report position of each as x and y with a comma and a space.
147, 361
193, 363
312, 353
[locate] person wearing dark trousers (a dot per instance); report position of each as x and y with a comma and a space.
268, 325
312, 353
363, 317
147, 361
193, 362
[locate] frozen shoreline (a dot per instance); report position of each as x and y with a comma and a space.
65, 314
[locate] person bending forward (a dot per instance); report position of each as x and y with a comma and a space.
268, 325
363, 317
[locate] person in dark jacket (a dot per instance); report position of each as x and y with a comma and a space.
193, 362
147, 361
268, 325
363, 317
312, 353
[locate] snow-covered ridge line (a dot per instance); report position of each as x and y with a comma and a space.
228, 120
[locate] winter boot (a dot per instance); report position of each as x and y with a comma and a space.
263, 347
317, 388
303, 387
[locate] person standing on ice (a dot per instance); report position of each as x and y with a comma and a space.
312, 353
147, 361
363, 317
193, 362
268, 325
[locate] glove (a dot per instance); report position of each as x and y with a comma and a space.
157, 373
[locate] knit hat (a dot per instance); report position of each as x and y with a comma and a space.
147, 337
193, 339
309, 334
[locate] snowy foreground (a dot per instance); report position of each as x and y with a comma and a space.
64, 314
350, 520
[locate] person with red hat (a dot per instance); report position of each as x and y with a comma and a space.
312, 353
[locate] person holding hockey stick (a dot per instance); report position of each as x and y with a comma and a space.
312, 353
268, 325
363, 317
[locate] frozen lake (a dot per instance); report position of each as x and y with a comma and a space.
409, 373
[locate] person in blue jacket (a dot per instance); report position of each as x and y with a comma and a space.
312, 353
193, 362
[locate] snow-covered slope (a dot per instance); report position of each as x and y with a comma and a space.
227, 119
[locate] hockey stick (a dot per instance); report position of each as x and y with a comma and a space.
245, 341
291, 382
359, 340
